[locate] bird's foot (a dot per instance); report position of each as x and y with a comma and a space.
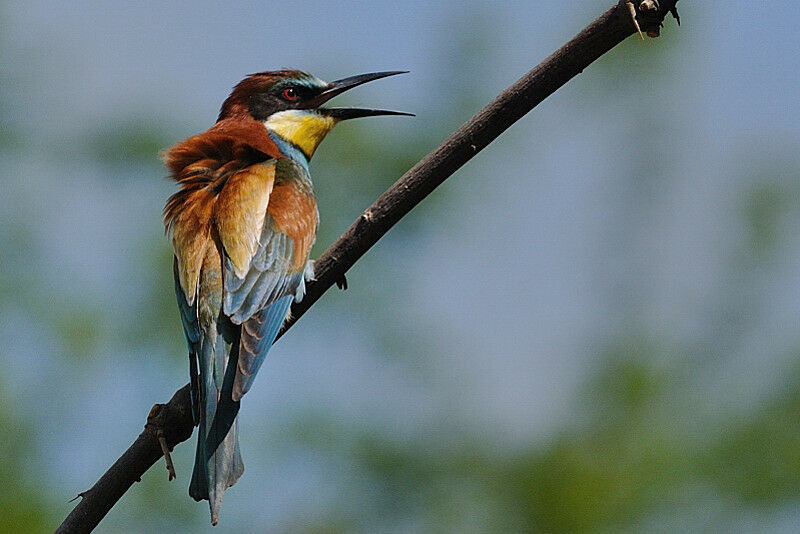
341, 282
674, 12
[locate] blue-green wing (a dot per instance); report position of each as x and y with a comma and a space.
260, 300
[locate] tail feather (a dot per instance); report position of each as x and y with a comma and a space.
218, 462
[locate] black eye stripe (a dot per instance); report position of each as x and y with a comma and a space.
262, 105
300, 90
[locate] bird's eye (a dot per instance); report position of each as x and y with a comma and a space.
290, 93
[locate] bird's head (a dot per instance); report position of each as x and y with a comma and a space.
289, 104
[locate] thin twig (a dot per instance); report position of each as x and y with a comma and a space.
78, 496
174, 419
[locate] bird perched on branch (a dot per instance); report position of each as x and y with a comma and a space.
242, 226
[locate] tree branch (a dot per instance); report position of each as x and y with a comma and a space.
173, 421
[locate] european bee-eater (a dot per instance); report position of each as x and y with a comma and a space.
242, 226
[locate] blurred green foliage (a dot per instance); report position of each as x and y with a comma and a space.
611, 473
755, 461
23, 507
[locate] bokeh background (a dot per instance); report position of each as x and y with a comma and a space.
592, 327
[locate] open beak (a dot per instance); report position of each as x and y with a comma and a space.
340, 86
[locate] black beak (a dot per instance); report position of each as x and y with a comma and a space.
340, 86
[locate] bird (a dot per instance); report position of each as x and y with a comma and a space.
242, 224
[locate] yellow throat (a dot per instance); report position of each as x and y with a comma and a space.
304, 128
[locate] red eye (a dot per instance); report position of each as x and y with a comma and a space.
290, 93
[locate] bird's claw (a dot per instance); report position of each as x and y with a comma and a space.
341, 282
674, 12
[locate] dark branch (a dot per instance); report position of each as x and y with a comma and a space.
174, 419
